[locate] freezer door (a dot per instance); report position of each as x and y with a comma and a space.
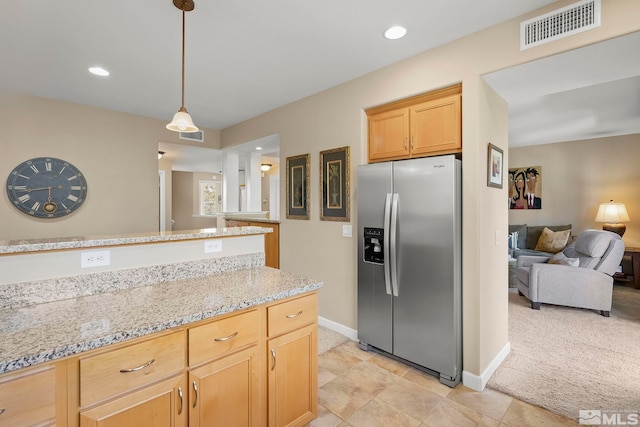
374, 303
427, 308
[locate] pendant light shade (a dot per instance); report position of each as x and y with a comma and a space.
182, 121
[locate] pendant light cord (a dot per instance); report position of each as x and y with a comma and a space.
183, 13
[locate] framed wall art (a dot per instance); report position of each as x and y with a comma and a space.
525, 187
334, 184
298, 187
494, 166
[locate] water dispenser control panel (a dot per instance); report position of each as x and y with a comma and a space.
374, 245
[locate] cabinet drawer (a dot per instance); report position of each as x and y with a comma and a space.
214, 339
118, 371
28, 398
292, 314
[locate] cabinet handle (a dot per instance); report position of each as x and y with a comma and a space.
124, 371
2, 411
180, 395
195, 390
292, 316
412, 147
405, 142
273, 356
233, 335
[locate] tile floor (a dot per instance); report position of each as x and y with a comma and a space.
365, 389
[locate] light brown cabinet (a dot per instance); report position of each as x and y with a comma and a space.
293, 362
271, 240
34, 396
424, 125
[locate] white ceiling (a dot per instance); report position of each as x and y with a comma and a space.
247, 57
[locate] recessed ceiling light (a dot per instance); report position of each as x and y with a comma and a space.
258, 148
98, 71
395, 32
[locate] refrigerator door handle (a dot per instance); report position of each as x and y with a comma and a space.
393, 259
385, 250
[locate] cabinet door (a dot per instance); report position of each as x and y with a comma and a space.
29, 397
160, 405
293, 377
436, 126
225, 392
389, 135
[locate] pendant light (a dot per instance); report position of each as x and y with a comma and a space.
182, 121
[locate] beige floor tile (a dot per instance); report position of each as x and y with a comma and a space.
325, 418
522, 414
410, 398
345, 424
427, 381
377, 413
337, 361
451, 413
354, 388
351, 347
488, 402
390, 365
324, 376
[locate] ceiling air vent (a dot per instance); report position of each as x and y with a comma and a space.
193, 136
575, 18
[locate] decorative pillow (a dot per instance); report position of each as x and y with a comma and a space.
562, 259
552, 241
534, 232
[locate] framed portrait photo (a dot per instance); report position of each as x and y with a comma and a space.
298, 187
334, 184
494, 166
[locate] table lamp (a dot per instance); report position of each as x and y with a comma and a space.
613, 215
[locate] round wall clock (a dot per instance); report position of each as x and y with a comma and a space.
46, 187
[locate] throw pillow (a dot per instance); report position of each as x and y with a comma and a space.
562, 259
534, 232
552, 241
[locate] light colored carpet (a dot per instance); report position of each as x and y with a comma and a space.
328, 339
566, 359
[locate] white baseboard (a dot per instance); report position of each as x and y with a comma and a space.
339, 328
478, 383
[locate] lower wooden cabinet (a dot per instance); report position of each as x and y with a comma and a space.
271, 240
34, 396
160, 405
226, 392
293, 378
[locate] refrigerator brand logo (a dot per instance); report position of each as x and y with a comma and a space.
438, 166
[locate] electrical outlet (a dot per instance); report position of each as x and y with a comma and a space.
212, 246
95, 259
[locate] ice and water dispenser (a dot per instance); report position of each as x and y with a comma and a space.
374, 245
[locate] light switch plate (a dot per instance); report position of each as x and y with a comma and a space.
346, 230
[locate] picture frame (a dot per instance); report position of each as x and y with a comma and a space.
335, 185
298, 187
495, 166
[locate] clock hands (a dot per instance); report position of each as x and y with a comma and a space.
49, 206
28, 190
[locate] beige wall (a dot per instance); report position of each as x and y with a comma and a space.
186, 202
117, 153
578, 176
336, 118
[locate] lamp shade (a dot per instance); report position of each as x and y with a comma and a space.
182, 122
612, 213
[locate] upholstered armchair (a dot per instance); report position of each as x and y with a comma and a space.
579, 276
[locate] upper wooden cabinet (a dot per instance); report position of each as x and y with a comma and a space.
420, 126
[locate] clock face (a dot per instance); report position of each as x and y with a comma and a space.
46, 187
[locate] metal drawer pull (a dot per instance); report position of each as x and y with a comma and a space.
273, 355
124, 371
2, 411
195, 389
291, 316
233, 335
180, 395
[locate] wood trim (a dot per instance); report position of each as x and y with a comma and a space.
424, 97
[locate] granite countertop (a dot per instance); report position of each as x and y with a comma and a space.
252, 219
63, 243
49, 331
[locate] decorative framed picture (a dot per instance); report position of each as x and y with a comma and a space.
525, 187
298, 187
334, 184
494, 166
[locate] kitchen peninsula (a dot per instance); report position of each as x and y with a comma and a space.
190, 326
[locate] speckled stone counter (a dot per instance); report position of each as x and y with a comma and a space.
56, 244
45, 332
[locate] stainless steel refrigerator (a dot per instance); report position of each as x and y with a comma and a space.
409, 262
